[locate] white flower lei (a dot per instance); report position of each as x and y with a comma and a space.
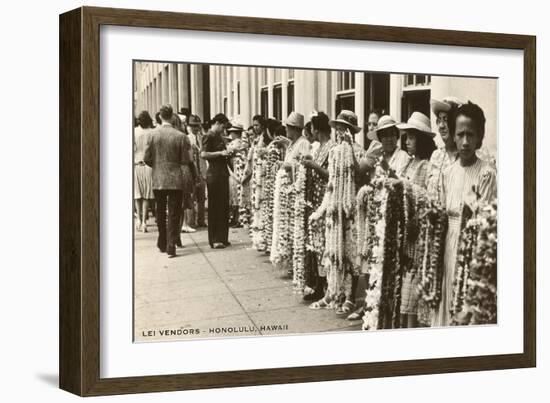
339, 255
299, 238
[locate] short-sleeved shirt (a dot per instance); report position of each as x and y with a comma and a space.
216, 166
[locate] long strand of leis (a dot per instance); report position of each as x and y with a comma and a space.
467, 242
478, 293
481, 296
256, 227
281, 244
272, 165
375, 238
299, 238
339, 215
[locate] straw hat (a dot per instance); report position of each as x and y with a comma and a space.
384, 122
348, 118
194, 120
295, 119
445, 105
235, 127
418, 121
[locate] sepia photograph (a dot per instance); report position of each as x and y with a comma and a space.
274, 201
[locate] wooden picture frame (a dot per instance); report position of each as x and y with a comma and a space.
79, 346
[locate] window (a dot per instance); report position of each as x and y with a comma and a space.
412, 80
225, 106
278, 102
290, 74
290, 97
415, 101
264, 100
345, 101
346, 80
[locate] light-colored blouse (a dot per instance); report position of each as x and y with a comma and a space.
141, 138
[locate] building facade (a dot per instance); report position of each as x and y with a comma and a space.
242, 92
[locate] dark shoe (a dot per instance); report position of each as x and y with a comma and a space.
227, 243
171, 252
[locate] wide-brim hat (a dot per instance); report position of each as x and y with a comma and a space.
295, 119
347, 118
235, 127
194, 120
420, 122
445, 105
385, 122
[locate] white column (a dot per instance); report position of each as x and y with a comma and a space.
332, 95
197, 97
165, 85
245, 79
396, 91
324, 91
284, 92
304, 93
173, 89
360, 105
213, 89
270, 74
254, 91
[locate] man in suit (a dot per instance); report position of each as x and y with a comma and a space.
168, 149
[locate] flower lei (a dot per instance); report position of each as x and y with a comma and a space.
301, 213
339, 256
478, 297
429, 250
263, 186
371, 206
283, 221
390, 244
256, 226
467, 242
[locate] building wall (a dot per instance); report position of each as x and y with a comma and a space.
237, 92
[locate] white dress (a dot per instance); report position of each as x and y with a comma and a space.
460, 185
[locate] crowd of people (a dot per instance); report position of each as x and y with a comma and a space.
295, 185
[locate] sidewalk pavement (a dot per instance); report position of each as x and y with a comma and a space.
205, 293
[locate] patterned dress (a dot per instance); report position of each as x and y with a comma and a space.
416, 171
143, 174
315, 239
470, 184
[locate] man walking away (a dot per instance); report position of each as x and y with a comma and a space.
167, 150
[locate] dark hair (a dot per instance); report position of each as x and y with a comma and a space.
144, 120
219, 118
280, 131
261, 120
166, 112
250, 128
157, 118
176, 122
272, 126
185, 112
472, 111
391, 129
320, 122
425, 145
307, 128
377, 112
